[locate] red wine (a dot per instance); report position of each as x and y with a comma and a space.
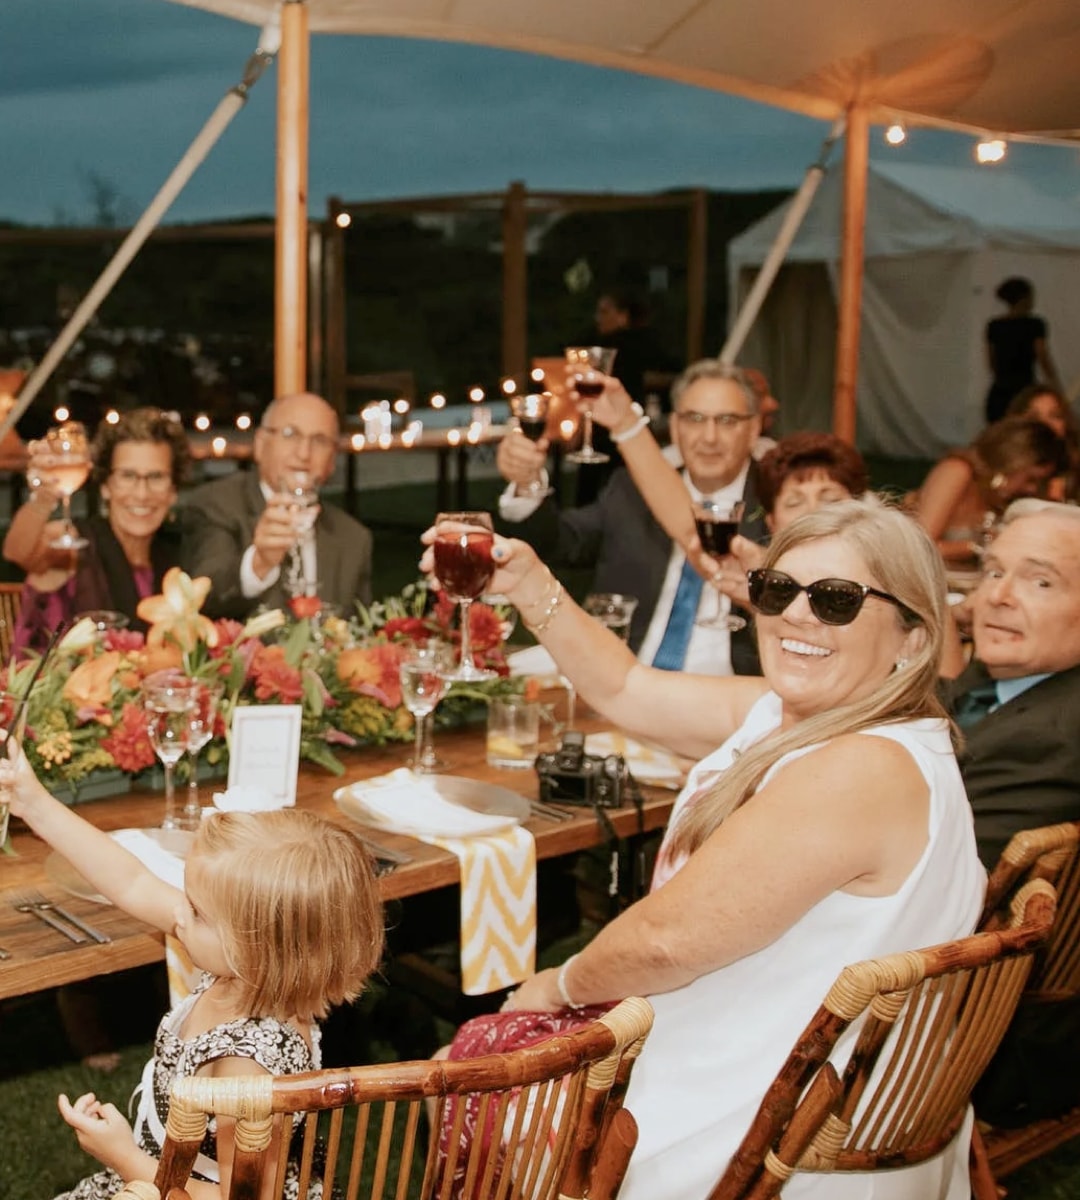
533, 428
715, 536
463, 563
588, 389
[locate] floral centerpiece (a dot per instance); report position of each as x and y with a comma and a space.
85, 713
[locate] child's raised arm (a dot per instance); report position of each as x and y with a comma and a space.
106, 865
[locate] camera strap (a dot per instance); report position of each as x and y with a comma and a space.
620, 850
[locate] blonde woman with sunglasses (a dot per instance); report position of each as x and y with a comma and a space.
831, 825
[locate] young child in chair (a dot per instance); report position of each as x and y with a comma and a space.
282, 913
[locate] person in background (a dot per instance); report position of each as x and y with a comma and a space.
1041, 403
965, 494
831, 825
1015, 344
138, 465
240, 530
714, 425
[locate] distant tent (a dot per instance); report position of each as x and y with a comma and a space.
938, 242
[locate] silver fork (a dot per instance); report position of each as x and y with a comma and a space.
25, 904
44, 904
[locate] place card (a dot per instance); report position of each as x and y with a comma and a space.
264, 751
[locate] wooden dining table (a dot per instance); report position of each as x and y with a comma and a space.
41, 957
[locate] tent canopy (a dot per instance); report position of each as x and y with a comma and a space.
1005, 66
936, 249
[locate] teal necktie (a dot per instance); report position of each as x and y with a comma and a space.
673, 645
971, 707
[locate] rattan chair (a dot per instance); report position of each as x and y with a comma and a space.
551, 1118
1048, 853
931, 1021
10, 603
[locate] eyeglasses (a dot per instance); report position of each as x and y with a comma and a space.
698, 420
832, 601
126, 480
291, 436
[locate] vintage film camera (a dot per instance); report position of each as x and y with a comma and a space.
570, 776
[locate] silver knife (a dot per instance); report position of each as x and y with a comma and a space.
94, 934
73, 935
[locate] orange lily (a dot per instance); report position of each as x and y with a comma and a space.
175, 613
89, 686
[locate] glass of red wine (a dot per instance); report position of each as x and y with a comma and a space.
531, 414
717, 523
588, 367
464, 567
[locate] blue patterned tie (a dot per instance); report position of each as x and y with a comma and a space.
971, 707
673, 645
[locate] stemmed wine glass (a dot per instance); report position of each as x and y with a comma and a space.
301, 497
531, 414
168, 709
464, 567
423, 684
588, 366
717, 523
201, 720
62, 457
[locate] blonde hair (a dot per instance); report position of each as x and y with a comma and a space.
297, 908
905, 562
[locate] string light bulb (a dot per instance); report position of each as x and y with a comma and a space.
438, 400
401, 406
202, 422
343, 220
990, 150
243, 422
62, 414
537, 374
112, 417
476, 394
896, 134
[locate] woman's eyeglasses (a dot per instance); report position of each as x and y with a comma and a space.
832, 601
125, 480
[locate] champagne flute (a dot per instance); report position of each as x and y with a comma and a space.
588, 366
423, 685
168, 709
531, 414
301, 497
63, 457
717, 523
201, 720
464, 567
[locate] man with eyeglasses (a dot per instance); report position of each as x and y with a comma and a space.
715, 424
243, 530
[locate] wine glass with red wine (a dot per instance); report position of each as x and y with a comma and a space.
464, 567
588, 367
531, 414
717, 523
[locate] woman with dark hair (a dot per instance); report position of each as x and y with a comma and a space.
1014, 344
1041, 403
139, 463
968, 490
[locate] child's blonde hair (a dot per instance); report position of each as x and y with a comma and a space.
297, 908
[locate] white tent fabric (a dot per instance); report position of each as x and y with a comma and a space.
994, 65
938, 242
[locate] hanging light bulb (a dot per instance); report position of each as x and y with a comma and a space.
896, 134
990, 150
343, 220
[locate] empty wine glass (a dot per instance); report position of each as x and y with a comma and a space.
422, 693
168, 708
301, 497
588, 366
62, 457
201, 720
717, 523
464, 567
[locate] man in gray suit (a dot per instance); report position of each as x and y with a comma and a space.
1021, 761
242, 530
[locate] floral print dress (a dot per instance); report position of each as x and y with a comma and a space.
278, 1048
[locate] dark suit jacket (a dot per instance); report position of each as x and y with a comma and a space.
619, 534
1021, 763
219, 520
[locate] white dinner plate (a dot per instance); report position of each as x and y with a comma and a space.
445, 805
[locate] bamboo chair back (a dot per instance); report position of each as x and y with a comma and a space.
1049, 853
549, 1123
930, 1021
10, 604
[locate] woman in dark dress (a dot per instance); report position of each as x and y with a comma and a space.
138, 464
1015, 343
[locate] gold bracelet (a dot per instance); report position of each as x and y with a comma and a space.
550, 612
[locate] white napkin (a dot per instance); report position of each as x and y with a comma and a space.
242, 798
533, 660
647, 764
406, 804
152, 854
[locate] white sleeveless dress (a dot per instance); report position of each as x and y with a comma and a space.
718, 1042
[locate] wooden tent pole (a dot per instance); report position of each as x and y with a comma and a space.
856, 163
290, 296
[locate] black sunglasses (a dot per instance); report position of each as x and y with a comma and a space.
832, 601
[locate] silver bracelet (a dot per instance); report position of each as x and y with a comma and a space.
640, 424
549, 614
560, 984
